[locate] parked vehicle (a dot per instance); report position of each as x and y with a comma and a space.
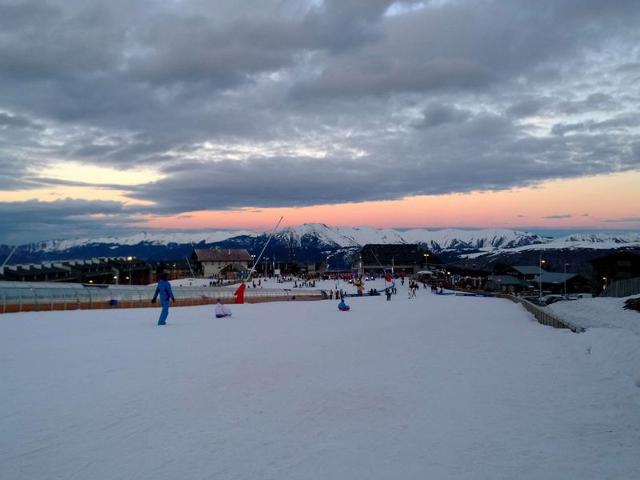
553, 298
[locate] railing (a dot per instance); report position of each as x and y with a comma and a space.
26, 297
543, 316
622, 288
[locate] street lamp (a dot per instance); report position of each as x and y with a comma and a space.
565, 280
540, 275
129, 260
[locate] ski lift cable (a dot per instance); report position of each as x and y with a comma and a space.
9, 257
257, 260
384, 270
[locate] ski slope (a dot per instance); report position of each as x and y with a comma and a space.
434, 387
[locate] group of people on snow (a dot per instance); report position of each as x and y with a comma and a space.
165, 294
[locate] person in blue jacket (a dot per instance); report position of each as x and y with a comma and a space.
342, 306
166, 296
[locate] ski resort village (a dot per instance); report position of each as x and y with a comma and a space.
320, 240
318, 352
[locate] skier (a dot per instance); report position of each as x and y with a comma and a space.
222, 310
166, 296
239, 293
387, 291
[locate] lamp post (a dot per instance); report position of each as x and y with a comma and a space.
129, 259
540, 276
565, 280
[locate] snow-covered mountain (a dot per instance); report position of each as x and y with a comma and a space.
314, 241
339, 236
584, 241
152, 238
485, 240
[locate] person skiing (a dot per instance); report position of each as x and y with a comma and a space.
222, 310
166, 296
387, 292
239, 293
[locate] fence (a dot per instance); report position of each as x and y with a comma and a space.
542, 315
29, 297
622, 288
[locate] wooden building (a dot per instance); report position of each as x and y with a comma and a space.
505, 284
521, 272
216, 262
560, 283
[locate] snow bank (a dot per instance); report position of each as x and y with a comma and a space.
599, 312
613, 333
435, 387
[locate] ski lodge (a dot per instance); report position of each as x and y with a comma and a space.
216, 262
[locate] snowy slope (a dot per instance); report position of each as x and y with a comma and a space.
437, 387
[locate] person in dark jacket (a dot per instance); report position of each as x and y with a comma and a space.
166, 296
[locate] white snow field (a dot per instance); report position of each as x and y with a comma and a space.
437, 387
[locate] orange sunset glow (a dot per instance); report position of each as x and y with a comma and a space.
592, 202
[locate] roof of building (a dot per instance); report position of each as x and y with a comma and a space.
555, 277
222, 255
527, 269
506, 280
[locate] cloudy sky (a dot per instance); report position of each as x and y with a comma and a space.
227, 114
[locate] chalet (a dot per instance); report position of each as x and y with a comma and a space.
554, 282
522, 272
505, 284
215, 262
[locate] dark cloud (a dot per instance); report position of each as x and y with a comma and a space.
16, 121
34, 220
280, 102
559, 216
435, 115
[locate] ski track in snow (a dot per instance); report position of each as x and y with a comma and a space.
435, 387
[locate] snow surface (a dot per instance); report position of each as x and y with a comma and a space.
438, 387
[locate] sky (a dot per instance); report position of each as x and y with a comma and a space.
129, 115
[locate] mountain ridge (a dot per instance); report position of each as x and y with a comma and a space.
314, 241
